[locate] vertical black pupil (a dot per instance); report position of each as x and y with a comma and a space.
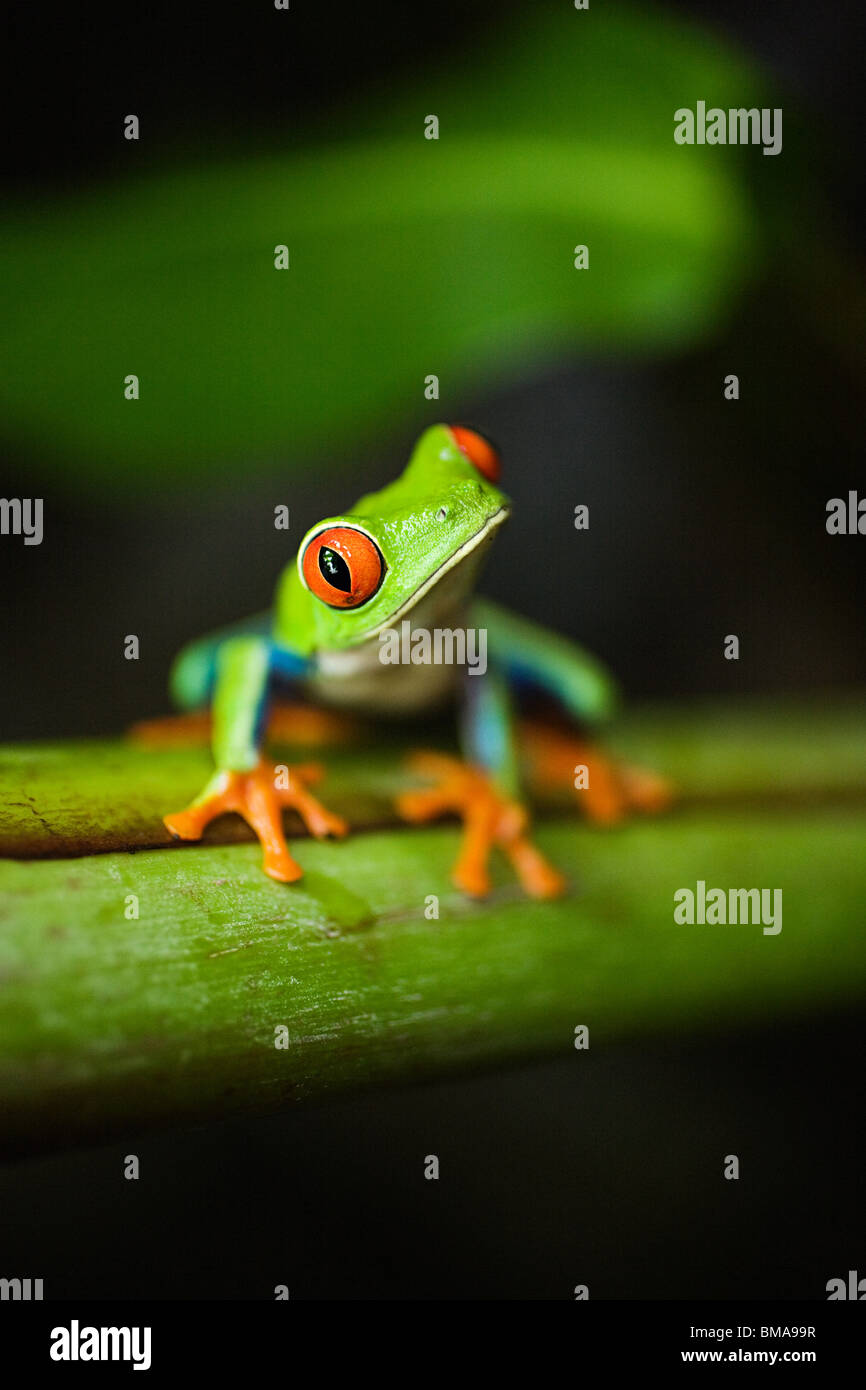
334, 568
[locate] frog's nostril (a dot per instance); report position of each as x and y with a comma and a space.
442, 514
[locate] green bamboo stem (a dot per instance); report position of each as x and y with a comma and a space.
112, 1024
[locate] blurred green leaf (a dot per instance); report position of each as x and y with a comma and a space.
408, 257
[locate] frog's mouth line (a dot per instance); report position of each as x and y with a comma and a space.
459, 555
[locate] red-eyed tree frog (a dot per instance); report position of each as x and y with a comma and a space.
410, 552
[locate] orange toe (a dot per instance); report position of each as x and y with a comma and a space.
281, 867
647, 791
260, 795
538, 876
471, 879
608, 789
490, 820
184, 825
291, 789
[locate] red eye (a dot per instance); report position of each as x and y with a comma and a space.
479, 450
343, 567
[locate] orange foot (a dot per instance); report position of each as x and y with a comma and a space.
259, 797
489, 819
613, 790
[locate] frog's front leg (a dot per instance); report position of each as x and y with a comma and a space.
484, 791
244, 781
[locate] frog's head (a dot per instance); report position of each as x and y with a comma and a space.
424, 534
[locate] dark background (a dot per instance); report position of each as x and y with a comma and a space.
707, 518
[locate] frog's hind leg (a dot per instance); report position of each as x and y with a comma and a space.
191, 730
193, 682
545, 664
607, 790
288, 722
